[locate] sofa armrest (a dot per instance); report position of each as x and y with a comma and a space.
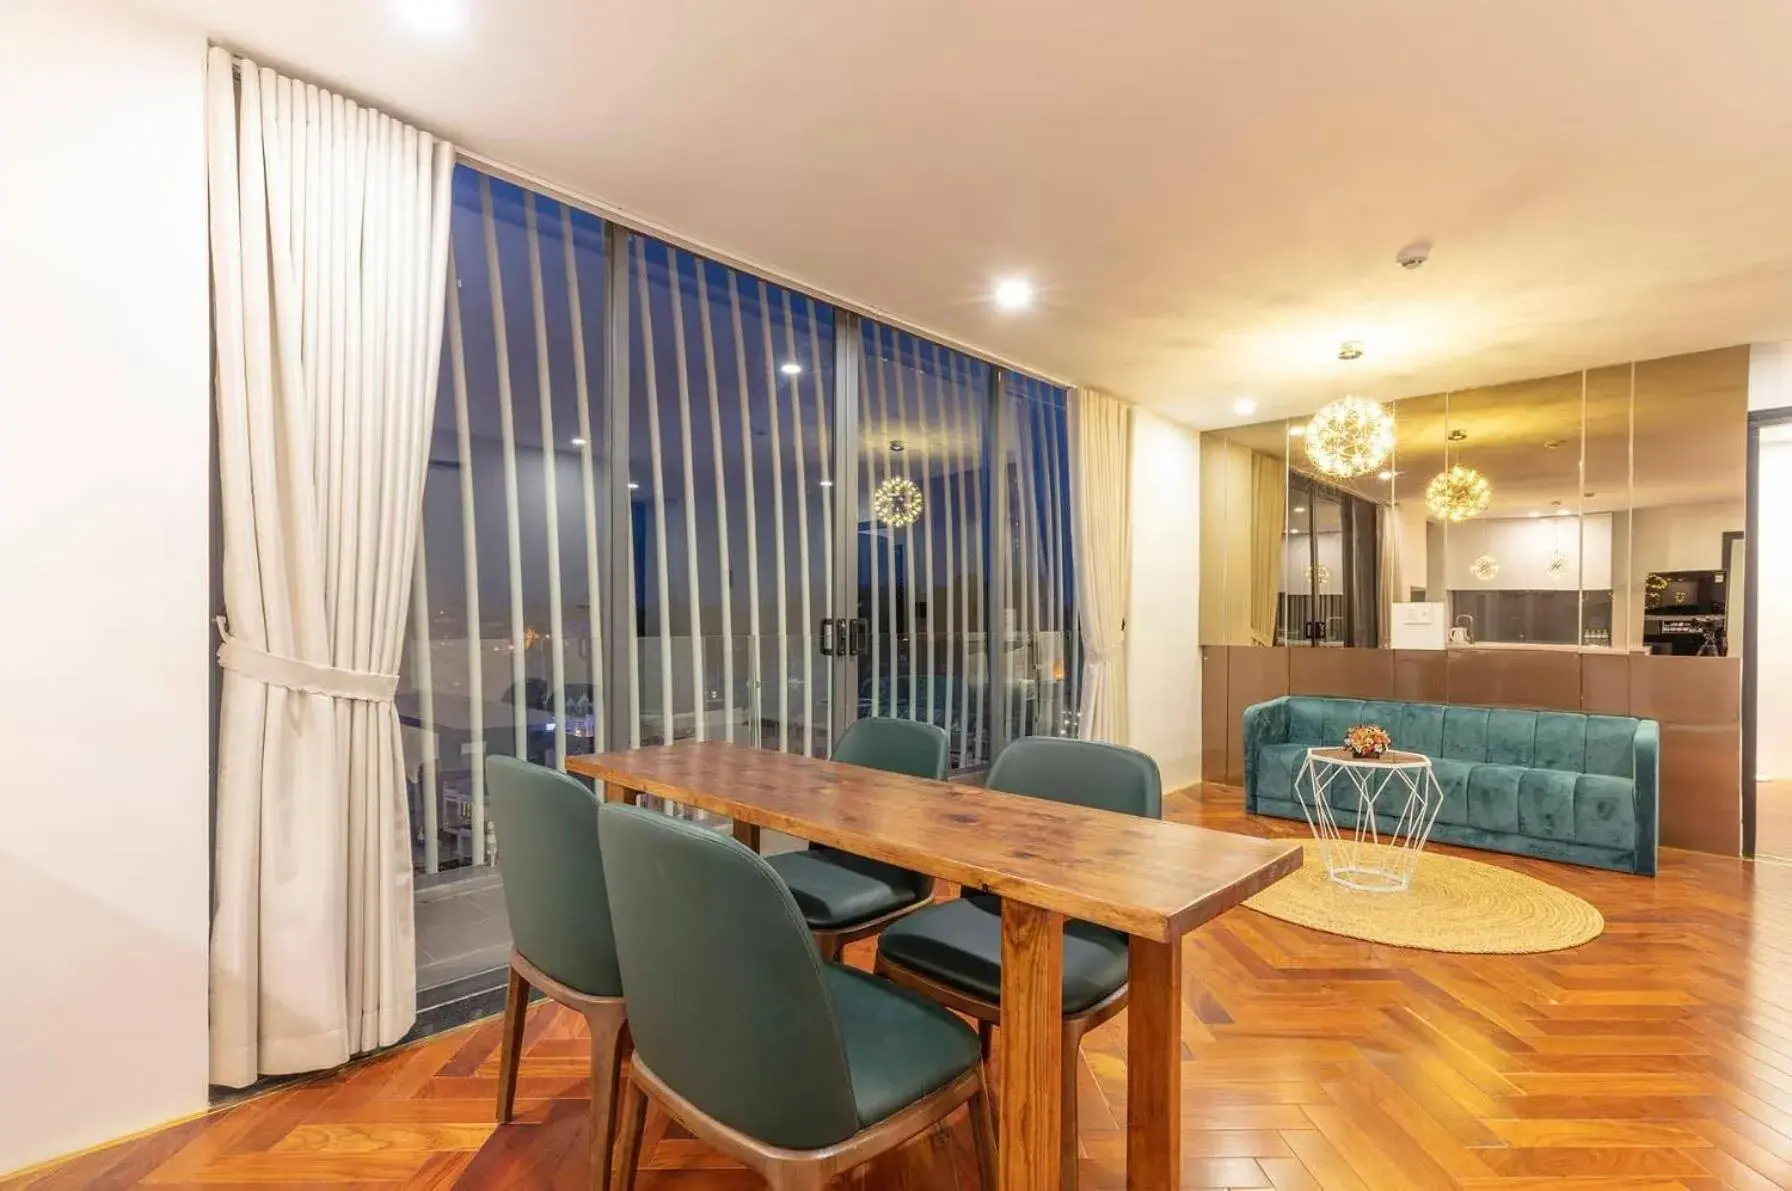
1264, 723
1647, 758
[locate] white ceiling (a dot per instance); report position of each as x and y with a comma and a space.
1209, 194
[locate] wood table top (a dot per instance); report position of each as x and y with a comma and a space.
1147, 877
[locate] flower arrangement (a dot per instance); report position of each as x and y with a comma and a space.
1367, 740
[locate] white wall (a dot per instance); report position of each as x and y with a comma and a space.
1163, 654
104, 642
1773, 701
1769, 376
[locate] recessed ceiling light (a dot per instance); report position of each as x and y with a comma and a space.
1300, 508
1244, 407
1384, 475
827, 483
632, 485
790, 368
1534, 513
1299, 431
1014, 293
1564, 512
578, 442
433, 18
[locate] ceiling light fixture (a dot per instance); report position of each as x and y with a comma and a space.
433, 18
898, 446
827, 483
1297, 431
791, 368
1350, 437
1458, 493
1564, 512
1534, 513
1013, 293
1384, 475
897, 501
1350, 349
1244, 407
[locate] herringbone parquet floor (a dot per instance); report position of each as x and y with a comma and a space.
1657, 1057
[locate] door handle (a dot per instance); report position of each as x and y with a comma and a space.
826, 634
859, 642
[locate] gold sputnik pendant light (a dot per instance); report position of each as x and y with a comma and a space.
897, 501
1350, 437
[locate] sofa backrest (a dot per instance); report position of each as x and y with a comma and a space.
1563, 740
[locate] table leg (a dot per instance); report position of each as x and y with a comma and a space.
1154, 1066
617, 793
1031, 1042
747, 833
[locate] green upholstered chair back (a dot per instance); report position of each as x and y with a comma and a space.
727, 1001
897, 746
553, 874
1108, 777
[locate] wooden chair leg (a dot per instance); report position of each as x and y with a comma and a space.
609, 1032
827, 945
983, 1135
986, 1039
510, 1044
633, 1124
1067, 1138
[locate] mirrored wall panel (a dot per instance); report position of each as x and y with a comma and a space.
1591, 511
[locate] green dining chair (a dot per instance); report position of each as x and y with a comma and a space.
554, 892
952, 952
845, 897
799, 1069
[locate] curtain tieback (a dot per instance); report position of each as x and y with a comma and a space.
272, 669
1102, 657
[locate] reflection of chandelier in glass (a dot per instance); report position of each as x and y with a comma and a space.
1320, 575
1457, 493
1557, 566
1350, 437
897, 502
1484, 568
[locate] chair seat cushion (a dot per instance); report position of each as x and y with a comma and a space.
959, 943
899, 1046
837, 889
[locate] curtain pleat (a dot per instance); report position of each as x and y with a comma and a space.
1389, 562
329, 255
1101, 503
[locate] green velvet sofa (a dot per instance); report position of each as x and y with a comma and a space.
1554, 784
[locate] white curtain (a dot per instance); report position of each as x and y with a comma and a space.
329, 243
1101, 495
1391, 560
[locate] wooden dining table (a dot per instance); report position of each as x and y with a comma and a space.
1153, 880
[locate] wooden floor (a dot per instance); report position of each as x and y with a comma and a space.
1657, 1057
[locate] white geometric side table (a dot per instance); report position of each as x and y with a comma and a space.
1363, 858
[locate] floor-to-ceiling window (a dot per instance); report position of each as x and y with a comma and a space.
1040, 663
922, 560
730, 482
669, 500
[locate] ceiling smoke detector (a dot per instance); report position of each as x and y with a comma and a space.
1413, 255
1350, 349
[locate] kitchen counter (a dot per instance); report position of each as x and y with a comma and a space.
1545, 647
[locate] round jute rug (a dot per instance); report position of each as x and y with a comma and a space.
1454, 905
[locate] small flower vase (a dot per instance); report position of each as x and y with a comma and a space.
1367, 742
